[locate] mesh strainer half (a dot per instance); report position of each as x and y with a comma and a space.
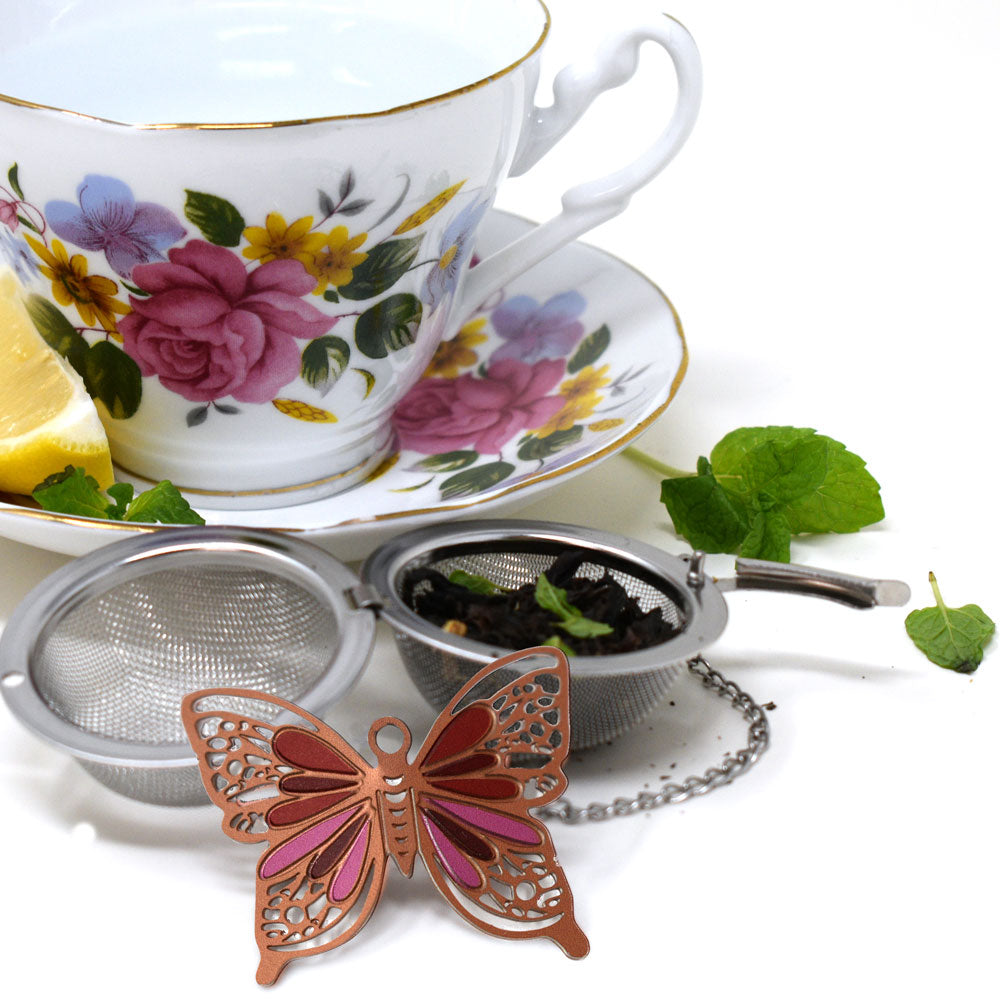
97, 658
608, 694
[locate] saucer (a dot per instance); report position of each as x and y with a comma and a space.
606, 352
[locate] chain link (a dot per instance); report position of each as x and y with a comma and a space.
732, 766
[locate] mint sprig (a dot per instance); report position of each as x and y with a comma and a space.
471, 581
72, 491
954, 638
573, 621
761, 486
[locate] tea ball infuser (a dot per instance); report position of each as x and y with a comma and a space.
98, 657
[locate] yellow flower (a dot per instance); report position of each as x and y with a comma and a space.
452, 355
278, 241
92, 294
334, 260
572, 412
586, 383
582, 398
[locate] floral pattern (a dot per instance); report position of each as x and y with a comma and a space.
231, 311
477, 411
498, 402
534, 332
92, 295
109, 219
456, 248
207, 328
221, 309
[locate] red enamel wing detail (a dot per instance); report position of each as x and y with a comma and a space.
331, 820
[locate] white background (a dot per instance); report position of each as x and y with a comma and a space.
829, 237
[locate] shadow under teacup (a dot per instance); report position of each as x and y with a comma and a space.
250, 230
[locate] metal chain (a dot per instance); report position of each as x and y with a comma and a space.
732, 766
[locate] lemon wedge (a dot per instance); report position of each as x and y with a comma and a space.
47, 419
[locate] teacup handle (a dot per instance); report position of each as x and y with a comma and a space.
594, 202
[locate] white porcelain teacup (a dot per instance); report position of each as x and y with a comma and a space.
249, 223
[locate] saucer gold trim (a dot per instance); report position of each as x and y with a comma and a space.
274, 491
287, 123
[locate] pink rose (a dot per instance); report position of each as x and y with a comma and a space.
210, 328
8, 214
440, 415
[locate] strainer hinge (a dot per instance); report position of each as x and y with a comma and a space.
363, 597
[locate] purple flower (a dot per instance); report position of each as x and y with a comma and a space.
109, 218
456, 247
17, 255
534, 332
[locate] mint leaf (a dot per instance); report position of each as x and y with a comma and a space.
730, 452
163, 504
553, 599
477, 584
954, 638
584, 628
707, 515
122, 494
769, 537
784, 470
847, 500
72, 491
762, 485
554, 640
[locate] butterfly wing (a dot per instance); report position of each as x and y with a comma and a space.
282, 776
495, 753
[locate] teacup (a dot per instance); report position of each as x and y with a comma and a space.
249, 224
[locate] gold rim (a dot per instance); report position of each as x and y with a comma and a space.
276, 491
606, 452
235, 126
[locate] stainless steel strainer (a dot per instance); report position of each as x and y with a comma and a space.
609, 694
98, 657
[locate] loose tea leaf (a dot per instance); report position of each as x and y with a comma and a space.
762, 485
954, 638
72, 491
599, 614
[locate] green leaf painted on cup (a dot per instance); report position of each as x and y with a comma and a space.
14, 183
58, 332
449, 461
590, 349
114, 378
219, 220
473, 481
383, 267
389, 325
324, 360
535, 449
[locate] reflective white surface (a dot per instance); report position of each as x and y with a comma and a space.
255, 60
829, 238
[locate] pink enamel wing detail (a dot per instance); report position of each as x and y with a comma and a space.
331, 820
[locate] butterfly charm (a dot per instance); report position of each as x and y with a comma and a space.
331, 820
